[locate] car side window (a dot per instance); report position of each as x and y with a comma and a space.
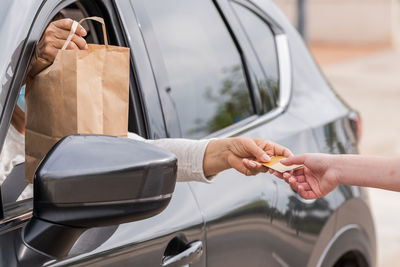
207, 81
262, 39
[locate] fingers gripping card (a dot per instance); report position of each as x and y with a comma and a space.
275, 164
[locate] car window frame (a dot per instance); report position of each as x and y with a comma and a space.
252, 45
284, 65
282, 49
172, 123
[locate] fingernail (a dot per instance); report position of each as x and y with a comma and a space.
83, 32
252, 164
86, 47
265, 158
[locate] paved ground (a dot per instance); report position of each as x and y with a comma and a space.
369, 80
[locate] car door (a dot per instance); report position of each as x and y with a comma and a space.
212, 80
173, 233
203, 79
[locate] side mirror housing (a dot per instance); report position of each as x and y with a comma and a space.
90, 181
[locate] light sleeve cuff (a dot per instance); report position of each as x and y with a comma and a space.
190, 155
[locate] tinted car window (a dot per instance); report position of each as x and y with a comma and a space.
263, 42
204, 68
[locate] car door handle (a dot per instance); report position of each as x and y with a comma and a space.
188, 256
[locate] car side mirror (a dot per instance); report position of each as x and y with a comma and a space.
90, 181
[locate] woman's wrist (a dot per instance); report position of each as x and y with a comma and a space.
216, 157
336, 164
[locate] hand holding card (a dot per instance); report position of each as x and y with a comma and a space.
276, 165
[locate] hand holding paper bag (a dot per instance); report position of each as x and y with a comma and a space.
82, 92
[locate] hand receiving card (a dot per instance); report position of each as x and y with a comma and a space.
275, 164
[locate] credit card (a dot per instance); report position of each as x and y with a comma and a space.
275, 164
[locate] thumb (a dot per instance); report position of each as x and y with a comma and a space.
257, 152
299, 159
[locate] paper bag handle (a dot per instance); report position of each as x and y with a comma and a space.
75, 25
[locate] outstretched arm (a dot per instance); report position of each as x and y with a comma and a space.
322, 173
200, 160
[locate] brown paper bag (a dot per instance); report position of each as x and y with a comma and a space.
82, 92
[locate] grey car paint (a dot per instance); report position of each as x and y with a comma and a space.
241, 220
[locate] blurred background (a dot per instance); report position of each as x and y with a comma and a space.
357, 45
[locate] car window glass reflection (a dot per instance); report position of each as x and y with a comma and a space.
204, 68
263, 42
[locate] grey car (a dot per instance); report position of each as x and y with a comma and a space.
199, 69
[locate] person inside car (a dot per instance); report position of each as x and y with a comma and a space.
198, 160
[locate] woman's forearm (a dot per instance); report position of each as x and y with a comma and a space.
201, 160
191, 155
370, 171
